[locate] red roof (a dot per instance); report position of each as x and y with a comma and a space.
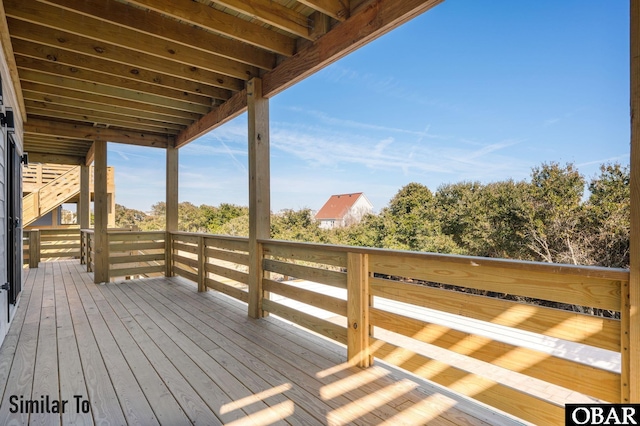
338, 206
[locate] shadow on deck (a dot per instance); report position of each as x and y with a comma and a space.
155, 351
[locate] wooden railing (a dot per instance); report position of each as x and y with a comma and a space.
131, 253
371, 278
50, 244
403, 307
212, 261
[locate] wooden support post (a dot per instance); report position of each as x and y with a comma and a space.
100, 207
358, 353
171, 207
34, 248
259, 190
202, 261
84, 210
631, 303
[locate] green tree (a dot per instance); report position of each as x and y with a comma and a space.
608, 215
556, 213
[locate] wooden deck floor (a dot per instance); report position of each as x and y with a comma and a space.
155, 351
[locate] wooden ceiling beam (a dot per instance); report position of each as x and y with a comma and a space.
98, 121
337, 9
81, 61
369, 22
110, 92
61, 82
224, 113
72, 73
133, 106
56, 101
51, 128
99, 49
219, 22
43, 108
171, 30
271, 13
105, 32
45, 157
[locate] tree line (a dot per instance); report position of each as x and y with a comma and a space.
548, 217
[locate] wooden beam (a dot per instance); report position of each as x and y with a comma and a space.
73, 73
100, 120
271, 13
53, 101
100, 214
9, 65
95, 116
365, 25
259, 190
631, 356
171, 30
101, 49
92, 133
110, 92
107, 29
337, 9
77, 59
44, 157
229, 110
171, 205
91, 154
84, 210
219, 22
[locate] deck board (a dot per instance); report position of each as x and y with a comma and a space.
155, 351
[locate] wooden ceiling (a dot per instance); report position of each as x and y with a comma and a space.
163, 72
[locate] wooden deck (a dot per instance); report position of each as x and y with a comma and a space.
155, 351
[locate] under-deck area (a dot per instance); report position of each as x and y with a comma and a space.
155, 351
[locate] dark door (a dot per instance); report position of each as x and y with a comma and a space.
14, 217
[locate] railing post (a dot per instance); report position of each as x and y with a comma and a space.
34, 248
202, 261
358, 302
168, 254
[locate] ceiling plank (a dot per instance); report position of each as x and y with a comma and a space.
73, 42
55, 101
67, 72
100, 121
104, 31
171, 30
73, 59
93, 133
43, 157
62, 82
271, 13
337, 9
219, 22
224, 113
365, 25
43, 108
133, 106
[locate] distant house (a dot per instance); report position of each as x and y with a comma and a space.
343, 209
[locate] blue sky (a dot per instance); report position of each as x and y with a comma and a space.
471, 90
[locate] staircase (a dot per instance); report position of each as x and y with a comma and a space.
47, 186
48, 197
